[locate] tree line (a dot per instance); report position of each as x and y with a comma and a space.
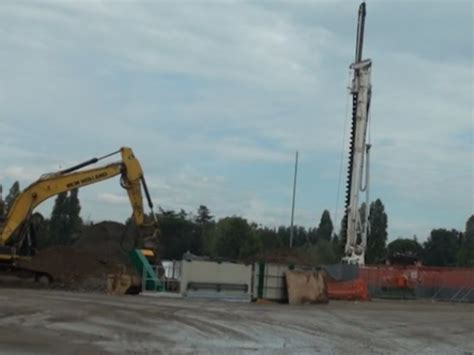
237, 238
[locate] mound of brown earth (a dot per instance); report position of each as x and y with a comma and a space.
72, 268
101, 249
109, 241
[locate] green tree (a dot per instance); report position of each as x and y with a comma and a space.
301, 236
43, 235
168, 213
182, 214
336, 246
178, 235
322, 253
268, 238
73, 209
250, 247
312, 235
342, 237
11, 196
325, 227
408, 248
441, 248
205, 223
465, 255
283, 235
204, 216
377, 236
65, 222
235, 238
58, 221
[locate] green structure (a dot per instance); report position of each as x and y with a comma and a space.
150, 280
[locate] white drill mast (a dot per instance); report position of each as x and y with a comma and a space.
358, 177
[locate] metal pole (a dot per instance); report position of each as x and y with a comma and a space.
293, 203
360, 33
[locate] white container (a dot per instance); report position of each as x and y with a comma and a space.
216, 280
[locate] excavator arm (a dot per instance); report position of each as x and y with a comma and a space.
48, 185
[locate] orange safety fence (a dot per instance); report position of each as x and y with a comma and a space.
348, 290
417, 276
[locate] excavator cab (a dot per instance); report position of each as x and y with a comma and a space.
24, 243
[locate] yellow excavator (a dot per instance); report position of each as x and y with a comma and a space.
17, 239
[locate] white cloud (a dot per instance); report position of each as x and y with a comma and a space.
114, 199
246, 150
18, 173
25, 174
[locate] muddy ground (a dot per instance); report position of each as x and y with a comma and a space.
59, 322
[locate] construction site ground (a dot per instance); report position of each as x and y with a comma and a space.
63, 322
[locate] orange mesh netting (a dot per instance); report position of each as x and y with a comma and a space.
348, 290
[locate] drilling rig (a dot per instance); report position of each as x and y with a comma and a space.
359, 148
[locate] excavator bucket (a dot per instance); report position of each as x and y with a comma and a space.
123, 283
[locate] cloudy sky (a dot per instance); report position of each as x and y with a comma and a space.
215, 97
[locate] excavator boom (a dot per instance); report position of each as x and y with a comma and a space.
49, 185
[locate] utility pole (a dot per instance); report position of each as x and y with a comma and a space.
293, 203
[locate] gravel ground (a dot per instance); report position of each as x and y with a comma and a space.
59, 322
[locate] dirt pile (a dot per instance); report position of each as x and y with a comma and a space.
109, 241
100, 250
